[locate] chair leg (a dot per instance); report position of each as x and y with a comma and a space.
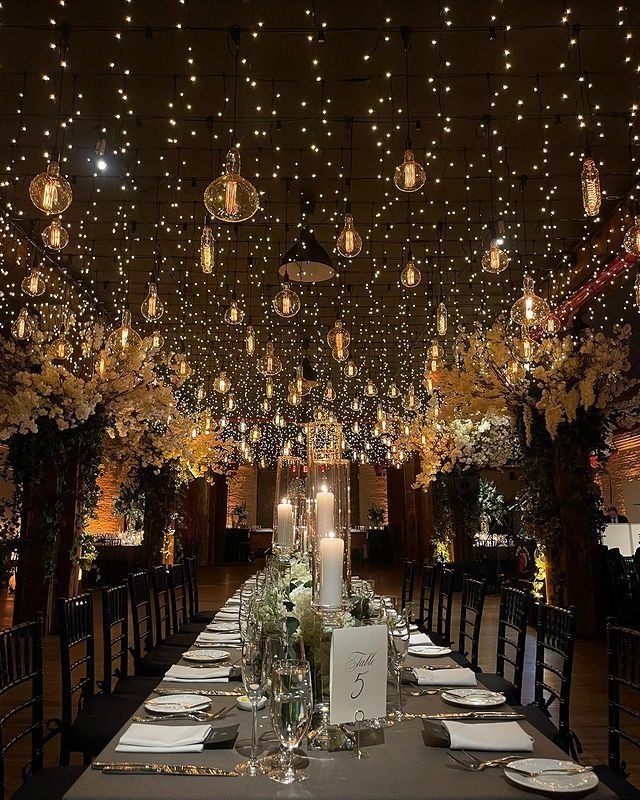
86, 758
65, 753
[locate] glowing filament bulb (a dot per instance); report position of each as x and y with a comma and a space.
207, 250
410, 275
157, 340
102, 364
152, 307
268, 388
250, 340
55, 236
230, 402
22, 328
33, 284
370, 389
234, 314
349, 241
441, 319
636, 286
410, 175
591, 194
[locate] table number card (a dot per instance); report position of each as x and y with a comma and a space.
358, 673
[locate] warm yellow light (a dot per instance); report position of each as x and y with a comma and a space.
495, 260
222, 384
591, 194
152, 307
370, 389
231, 198
250, 340
54, 236
34, 284
22, 327
286, 303
441, 319
50, 192
349, 242
207, 250
410, 175
410, 275
124, 339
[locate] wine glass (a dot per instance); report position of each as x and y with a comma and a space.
291, 708
398, 619
246, 613
254, 678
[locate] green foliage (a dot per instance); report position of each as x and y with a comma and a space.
483, 509
375, 515
443, 523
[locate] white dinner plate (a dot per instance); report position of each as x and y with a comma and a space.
205, 655
473, 698
552, 782
427, 651
177, 703
220, 627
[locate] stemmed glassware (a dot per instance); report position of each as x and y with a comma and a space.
254, 679
398, 628
291, 708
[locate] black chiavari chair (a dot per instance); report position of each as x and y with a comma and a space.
21, 666
116, 653
149, 661
408, 576
512, 637
191, 574
99, 716
623, 647
442, 633
161, 590
427, 595
472, 606
555, 644
179, 610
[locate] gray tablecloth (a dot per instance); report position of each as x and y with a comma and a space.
407, 765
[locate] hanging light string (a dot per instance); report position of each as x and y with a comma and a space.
405, 32
63, 46
234, 37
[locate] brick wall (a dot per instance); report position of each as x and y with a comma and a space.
104, 522
372, 489
243, 488
620, 479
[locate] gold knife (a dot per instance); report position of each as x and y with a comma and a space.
109, 768
203, 692
486, 715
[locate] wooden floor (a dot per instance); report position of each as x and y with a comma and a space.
589, 697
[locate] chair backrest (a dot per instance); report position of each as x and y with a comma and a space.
115, 635
445, 605
623, 646
427, 594
473, 593
141, 622
161, 601
512, 635
178, 593
77, 653
21, 663
632, 577
191, 574
408, 575
555, 644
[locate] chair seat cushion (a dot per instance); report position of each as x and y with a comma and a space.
51, 783
98, 721
617, 784
540, 721
496, 683
157, 661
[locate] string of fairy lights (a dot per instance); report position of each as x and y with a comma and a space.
440, 162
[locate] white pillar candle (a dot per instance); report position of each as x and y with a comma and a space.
331, 563
285, 524
324, 513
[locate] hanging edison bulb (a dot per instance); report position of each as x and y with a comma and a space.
157, 341
60, 350
531, 309
294, 399
33, 284
356, 426
222, 384
250, 340
631, 241
636, 286
591, 194
54, 236
50, 192
410, 275
329, 392
222, 423
526, 348
269, 363
380, 412
234, 314
340, 355
370, 389
349, 241
300, 384
230, 402
268, 388
254, 434
515, 371
231, 198
276, 419
552, 324
409, 401
102, 363
152, 307
436, 350
441, 319
207, 250
265, 404
207, 420
350, 369
393, 390
355, 404
428, 380
184, 370
495, 260
286, 303
22, 327
125, 338
194, 431
410, 175
338, 337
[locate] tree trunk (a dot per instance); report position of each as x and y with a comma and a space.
159, 508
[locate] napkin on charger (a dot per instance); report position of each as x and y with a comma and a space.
141, 738
456, 676
211, 637
182, 674
500, 737
419, 638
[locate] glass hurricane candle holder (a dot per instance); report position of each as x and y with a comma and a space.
290, 505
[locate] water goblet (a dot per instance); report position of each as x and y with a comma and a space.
291, 708
254, 680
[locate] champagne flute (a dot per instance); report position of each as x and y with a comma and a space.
291, 708
398, 629
254, 680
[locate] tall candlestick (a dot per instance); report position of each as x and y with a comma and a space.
285, 524
324, 513
331, 563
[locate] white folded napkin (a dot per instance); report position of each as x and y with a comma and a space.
139, 738
229, 616
507, 737
445, 677
218, 638
182, 674
419, 638
211, 627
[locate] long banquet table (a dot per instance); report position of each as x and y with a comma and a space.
405, 764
